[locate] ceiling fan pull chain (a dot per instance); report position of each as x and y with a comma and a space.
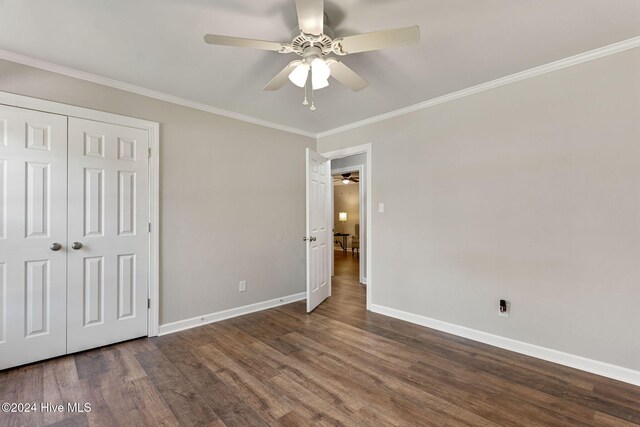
305, 102
313, 104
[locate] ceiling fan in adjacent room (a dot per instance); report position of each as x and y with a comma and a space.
346, 178
313, 40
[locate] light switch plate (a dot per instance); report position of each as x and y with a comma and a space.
381, 207
243, 286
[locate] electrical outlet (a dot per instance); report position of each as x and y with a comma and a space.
507, 307
243, 286
381, 207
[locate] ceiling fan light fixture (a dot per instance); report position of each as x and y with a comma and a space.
320, 73
345, 181
299, 75
312, 40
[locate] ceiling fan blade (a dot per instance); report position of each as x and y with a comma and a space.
346, 75
310, 16
240, 42
282, 77
380, 40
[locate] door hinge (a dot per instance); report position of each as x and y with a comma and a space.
148, 302
149, 152
149, 227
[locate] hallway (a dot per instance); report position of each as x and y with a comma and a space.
346, 264
348, 296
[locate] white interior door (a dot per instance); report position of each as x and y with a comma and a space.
319, 235
108, 234
33, 233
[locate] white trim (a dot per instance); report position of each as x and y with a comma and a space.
532, 72
73, 111
205, 319
368, 171
154, 237
94, 78
578, 362
153, 129
527, 74
361, 207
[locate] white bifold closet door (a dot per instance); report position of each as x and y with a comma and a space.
33, 234
74, 242
108, 234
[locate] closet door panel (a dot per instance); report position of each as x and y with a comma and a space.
108, 217
33, 234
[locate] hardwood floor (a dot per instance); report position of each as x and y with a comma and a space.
339, 365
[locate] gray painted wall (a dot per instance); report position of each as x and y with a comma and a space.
227, 213
527, 192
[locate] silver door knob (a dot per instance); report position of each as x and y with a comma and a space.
55, 247
76, 245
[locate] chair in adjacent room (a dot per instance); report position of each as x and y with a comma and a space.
355, 240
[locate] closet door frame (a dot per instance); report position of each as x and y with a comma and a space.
153, 128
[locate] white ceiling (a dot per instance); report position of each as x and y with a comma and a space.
157, 44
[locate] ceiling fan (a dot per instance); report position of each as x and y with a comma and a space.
313, 40
346, 178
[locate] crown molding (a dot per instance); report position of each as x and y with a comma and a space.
523, 75
116, 84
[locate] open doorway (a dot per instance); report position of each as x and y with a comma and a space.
349, 215
349, 218
320, 225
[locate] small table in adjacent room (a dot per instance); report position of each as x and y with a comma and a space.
343, 243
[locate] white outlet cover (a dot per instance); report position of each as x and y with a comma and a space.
243, 286
381, 207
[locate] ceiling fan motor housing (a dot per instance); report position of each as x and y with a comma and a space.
310, 53
301, 42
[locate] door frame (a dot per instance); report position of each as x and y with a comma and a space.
153, 128
361, 208
350, 151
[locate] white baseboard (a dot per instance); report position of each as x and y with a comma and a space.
205, 319
578, 362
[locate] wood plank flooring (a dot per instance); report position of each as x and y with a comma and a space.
337, 366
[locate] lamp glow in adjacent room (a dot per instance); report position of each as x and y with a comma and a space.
342, 217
